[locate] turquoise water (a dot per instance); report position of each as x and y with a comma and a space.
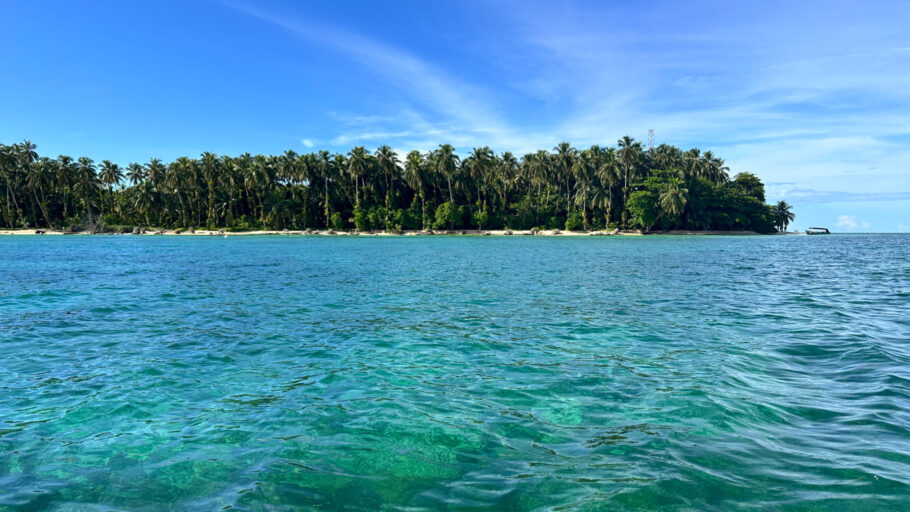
455, 373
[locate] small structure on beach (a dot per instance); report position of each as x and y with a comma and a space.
818, 231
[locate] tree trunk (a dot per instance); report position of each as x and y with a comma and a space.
327, 209
41, 206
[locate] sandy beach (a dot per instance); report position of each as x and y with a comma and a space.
328, 232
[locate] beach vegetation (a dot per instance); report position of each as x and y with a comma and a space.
782, 215
628, 186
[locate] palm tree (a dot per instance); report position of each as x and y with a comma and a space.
782, 215
27, 156
446, 164
258, 180
28, 153
66, 171
324, 169
479, 166
537, 172
146, 199
210, 164
289, 189
155, 171
695, 165
287, 167
582, 170
135, 173
36, 177
608, 174
177, 174
673, 197
357, 168
279, 209
230, 179
508, 172
87, 181
666, 157
8, 168
629, 155
110, 175
415, 177
564, 160
389, 167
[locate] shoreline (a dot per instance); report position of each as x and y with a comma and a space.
329, 232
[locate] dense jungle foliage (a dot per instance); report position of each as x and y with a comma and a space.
628, 186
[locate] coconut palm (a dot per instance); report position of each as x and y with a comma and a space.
36, 178
177, 174
357, 169
673, 197
415, 177
278, 209
694, 164
388, 163
479, 167
289, 190
87, 181
110, 175
155, 171
135, 173
608, 173
563, 161
8, 170
629, 156
145, 200
446, 164
323, 168
583, 172
783, 215
210, 165
508, 173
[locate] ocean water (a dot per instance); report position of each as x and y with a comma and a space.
455, 373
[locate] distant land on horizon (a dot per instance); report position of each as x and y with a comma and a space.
629, 186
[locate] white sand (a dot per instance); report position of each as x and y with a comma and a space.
325, 232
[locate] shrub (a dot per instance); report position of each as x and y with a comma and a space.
337, 221
574, 222
643, 208
380, 218
480, 219
361, 220
446, 216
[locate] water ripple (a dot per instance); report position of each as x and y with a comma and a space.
266, 373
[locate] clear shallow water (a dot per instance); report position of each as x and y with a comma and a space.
261, 373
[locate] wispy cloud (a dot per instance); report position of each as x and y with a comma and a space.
820, 196
814, 107
461, 108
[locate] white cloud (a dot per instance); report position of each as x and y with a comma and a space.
849, 222
307, 143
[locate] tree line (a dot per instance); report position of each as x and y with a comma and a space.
627, 186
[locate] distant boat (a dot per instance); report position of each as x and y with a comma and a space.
818, 231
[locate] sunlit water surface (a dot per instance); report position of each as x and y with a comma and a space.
455, 373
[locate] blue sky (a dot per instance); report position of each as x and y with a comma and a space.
813, 97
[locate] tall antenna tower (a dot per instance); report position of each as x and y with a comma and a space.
650, 139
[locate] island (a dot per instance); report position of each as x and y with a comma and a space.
623, 189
